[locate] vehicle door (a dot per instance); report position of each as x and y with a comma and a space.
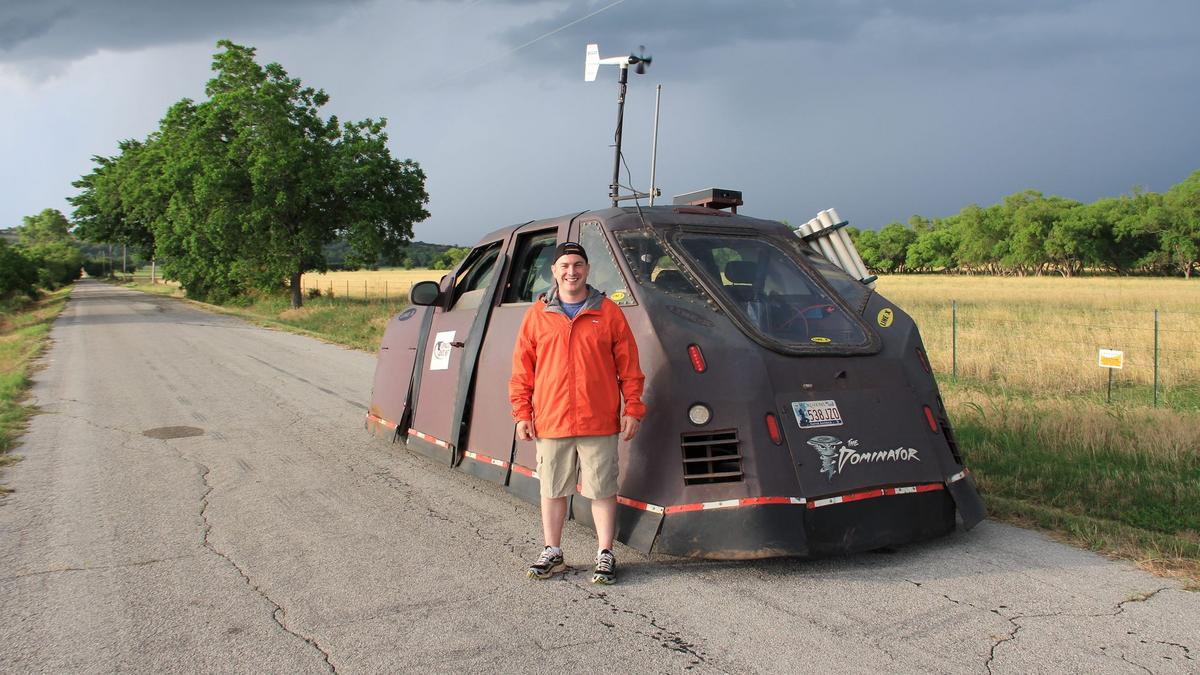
392, 388
452, 349
492, 427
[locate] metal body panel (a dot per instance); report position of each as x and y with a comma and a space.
901, 481
492, 429
393, 374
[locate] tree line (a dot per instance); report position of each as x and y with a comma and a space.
1031, 233
43, 255
246, 190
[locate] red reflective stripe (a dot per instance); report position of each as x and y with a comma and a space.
733, 503
755, 501
633, 503
380, 420
485, 459
427, 437
523, 471
871, 494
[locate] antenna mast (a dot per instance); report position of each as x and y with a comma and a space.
591, 65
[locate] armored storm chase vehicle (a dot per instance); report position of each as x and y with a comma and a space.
792, 410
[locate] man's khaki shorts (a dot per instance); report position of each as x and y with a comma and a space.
593, 458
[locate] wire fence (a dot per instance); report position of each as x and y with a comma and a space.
1060, 352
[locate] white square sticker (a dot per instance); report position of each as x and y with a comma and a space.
440, 359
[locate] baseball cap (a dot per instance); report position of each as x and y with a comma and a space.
570, 248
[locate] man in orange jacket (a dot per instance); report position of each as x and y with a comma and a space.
575, 359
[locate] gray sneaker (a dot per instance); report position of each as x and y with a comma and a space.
547, 565
606, 568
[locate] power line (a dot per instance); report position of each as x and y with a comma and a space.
539, 38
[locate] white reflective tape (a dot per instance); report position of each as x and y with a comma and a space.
654, 508
724, 504
827, 502
905, 490
798, 500
957, 477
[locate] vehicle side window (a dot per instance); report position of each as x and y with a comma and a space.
531, 275
652, 267
472, 279
604, 275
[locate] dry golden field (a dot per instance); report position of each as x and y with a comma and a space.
1042, 334
381, 284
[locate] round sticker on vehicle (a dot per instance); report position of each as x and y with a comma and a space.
885, 317
821, 340
617, 296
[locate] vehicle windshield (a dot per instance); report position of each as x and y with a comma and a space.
771, 292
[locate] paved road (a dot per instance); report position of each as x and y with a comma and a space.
280, 538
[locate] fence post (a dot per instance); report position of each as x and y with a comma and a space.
1156, 357
954, 340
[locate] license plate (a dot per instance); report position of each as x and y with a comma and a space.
811, 414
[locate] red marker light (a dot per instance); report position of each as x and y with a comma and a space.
697, 358
773, 429
933, 425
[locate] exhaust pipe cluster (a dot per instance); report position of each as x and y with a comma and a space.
827, 233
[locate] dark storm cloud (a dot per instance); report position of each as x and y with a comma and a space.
958, 33
61, 30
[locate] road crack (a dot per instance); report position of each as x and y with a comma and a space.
97, 568
278, 614
666, 638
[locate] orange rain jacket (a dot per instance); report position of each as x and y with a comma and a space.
568, 376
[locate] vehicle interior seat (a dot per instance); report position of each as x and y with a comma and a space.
673, 281
740, 274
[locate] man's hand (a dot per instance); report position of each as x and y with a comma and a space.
629, 427
525, 430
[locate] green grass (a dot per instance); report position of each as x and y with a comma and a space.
1122, 478
24, 328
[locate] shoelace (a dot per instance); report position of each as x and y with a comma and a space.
605, 562
546, 557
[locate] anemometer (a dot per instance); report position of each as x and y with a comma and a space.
640, 62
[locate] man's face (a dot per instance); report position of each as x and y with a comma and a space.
570, 273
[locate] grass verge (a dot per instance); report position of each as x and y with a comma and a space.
1123, 481
24, 333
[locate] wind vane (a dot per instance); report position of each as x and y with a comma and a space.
591, 66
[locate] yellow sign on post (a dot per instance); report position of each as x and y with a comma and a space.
1111, 358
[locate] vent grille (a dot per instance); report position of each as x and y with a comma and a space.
711, 457
948, 431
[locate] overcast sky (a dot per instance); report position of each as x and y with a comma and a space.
881, 109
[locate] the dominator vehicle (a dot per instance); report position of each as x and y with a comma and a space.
792, 410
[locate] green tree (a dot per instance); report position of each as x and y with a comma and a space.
247, 189
18, 274
1180, 237
117, 201
46, 242
934, 247
47, 227
984, 237
891, 247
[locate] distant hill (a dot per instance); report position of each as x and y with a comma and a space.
9, 235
